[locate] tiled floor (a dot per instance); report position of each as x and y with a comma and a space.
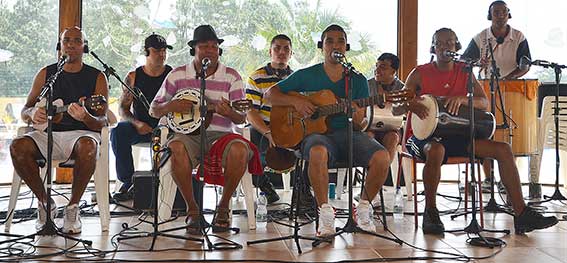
549, 245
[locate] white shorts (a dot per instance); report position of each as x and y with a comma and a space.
63, 142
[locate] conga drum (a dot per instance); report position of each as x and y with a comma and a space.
520, 104
441, 124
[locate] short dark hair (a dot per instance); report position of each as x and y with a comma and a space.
282, 37
394, 60
333, 27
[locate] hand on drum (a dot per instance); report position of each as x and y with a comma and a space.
453, 104
180, 105
418, 108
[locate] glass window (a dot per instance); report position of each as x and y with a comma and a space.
117, 29
546, 34
28, 36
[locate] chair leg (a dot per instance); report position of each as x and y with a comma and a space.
248, 189
286, 182
102, 192
383, 208
14, 192
467, 188
341, 174
408, 176
414, 180
479, 191
166, 193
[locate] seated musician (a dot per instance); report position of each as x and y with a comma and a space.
385, 79
137, 125
324, 150
76, 136
223, 85
259, 117
444, 77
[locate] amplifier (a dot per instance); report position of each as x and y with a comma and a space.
143, 193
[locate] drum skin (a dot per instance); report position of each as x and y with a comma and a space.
520, 103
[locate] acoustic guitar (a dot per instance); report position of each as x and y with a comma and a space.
289, 127
189, 122
93, 103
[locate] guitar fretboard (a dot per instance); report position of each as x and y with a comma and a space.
341, 105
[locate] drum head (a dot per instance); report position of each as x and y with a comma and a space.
423, 129
280, 160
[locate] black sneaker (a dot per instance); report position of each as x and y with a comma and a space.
531, 220
271, 194
124, 194
432, 223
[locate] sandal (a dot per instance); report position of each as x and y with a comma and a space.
221, 221
194, 223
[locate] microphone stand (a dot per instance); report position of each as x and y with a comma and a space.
137, 94
109, 71
203, 224
50, 229
474, 227
492, 205
557, 196
350, 226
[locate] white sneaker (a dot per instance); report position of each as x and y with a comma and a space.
364, 216
72, 220
326, 220
42, 214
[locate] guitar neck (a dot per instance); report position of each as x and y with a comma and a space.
341, 105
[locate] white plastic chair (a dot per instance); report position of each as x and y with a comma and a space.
546, 137
167, 190
100, 180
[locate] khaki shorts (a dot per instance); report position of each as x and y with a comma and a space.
63, 142
192, 145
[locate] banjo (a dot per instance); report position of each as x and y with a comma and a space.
189, 122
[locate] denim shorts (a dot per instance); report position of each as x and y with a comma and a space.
336, 143
454, 146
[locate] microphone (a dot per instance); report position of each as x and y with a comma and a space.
337, 55
205, 63
451, 54
541, 63
62, 60
524, 63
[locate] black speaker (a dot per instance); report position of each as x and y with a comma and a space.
143, 193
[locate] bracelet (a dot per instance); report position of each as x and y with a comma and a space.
265, 133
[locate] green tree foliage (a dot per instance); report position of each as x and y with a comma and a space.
28, 29
116, 31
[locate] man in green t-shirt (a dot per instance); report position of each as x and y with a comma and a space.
324, 150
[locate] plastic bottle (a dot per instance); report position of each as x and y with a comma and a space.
262, 209
398, 204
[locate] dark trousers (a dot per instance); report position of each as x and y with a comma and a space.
122, 137
262, 143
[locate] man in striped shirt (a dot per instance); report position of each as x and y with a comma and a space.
259, 117
223, 85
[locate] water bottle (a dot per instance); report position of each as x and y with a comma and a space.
398, 204
262, 209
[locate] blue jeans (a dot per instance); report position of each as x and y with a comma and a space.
122, 137
336, 143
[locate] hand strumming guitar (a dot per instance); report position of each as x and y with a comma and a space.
39, 115
78, 111
223, 107
303, 106
180, 105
